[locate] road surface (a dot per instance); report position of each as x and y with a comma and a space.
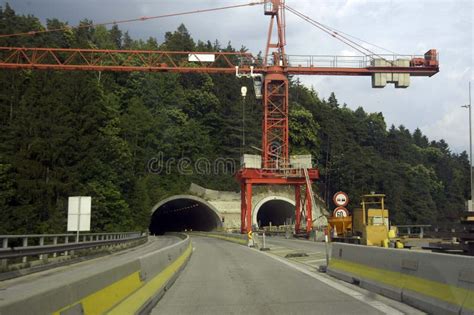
227, 278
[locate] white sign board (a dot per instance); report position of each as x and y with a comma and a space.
79, 214
202, 57
340, 199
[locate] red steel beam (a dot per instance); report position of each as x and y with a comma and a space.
122, 60
70, 59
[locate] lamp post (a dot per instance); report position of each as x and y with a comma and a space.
470, 145
243, 91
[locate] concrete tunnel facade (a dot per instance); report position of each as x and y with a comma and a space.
206, 210
184, 212
274, 210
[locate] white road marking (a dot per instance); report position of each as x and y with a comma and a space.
357, 295
277, 247
313, 261
286, 251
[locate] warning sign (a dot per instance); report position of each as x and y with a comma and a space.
340, 199
249, 234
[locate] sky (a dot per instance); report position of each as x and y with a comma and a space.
407, 27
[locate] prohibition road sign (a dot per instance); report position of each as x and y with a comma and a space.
340, 199
340, 212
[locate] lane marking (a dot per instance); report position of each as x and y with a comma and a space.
356, 295
278, 248
313, 261
286, 250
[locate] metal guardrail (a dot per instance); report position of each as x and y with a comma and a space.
44, 244
324, 61
413, 230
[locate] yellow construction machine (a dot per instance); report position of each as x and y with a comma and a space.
368, 225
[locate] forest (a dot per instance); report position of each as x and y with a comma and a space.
89, 133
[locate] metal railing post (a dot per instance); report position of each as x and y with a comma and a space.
55, 242
41, 243
25, 244
4, 262
66, 241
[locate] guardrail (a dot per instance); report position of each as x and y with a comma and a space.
413, 230
24, 246
121, 286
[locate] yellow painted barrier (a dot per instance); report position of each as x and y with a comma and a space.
100, 301
131, 293
435, 283
441, 291
140, 297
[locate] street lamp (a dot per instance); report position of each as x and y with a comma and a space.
243, 92
470, 147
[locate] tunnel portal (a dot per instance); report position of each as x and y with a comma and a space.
276, 211
180, 213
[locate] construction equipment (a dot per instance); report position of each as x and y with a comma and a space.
368, 225
371, 221
271, 84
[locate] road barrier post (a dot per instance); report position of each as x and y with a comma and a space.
326, 240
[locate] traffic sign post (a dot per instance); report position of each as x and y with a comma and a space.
326, 241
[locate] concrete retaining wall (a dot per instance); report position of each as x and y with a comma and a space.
435, 283
129, 288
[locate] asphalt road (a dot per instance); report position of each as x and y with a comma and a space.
294, 243
226, 278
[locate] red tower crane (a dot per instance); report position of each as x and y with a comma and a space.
271, 75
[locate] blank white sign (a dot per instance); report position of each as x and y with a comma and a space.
202, 57
84, 224
84, 213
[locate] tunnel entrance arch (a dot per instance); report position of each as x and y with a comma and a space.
274, 209
184, 212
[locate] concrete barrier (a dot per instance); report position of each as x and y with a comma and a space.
231, 237
435, 283
130, 287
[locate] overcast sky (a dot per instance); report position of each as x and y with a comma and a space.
403, 26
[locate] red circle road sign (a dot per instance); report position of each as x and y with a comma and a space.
340, 199
340, 212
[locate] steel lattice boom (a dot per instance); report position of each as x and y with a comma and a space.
178, 61
122, 60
